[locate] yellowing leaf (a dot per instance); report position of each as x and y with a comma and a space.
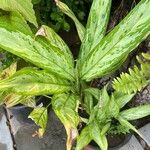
40, 117
65, 107
30, 81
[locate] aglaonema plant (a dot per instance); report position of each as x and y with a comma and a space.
56, 73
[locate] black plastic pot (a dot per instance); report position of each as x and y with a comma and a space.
114, 142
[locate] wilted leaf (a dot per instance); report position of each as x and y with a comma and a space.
40, 117
65, 107
14, 99
8, 71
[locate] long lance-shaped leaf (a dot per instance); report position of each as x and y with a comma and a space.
96, 135
54, 39
108, 55
30, 81
45, 56
127, 124
136, 113
84, 139
40, 116
65, 9
65, 107
24, 7
96, 26
13, 21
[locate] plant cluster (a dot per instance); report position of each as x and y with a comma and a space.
65, 81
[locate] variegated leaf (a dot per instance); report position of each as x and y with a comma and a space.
30, 81
55, 40
24, 7
136, 112
40, 116
112, 50
96, 26
65, 107
43, 55
13, 21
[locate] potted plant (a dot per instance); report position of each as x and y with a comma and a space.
58, 74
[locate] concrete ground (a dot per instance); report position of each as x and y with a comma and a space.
16, 132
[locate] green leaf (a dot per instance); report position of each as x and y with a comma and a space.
24, 7
43, 55
55, 40
65, 107
30, 81
96, 26
36, 1
112, 50
131, 82
95, 92
136, 112
88, 102
122, 99
14, 21
96, 135
65, 9
40, 116
83, 139
125, 123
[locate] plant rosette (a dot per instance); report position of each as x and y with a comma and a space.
56, 73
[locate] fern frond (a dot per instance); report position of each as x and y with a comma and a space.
135, 80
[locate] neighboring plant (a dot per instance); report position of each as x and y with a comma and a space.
57, 73
48, 13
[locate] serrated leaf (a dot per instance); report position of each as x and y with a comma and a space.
83, 139
108, 55
13, 21
131, 82
40, 116
30, 81
96, 26
43, 55
136, 112
65, 106
65, 9
146, 56
24, 7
